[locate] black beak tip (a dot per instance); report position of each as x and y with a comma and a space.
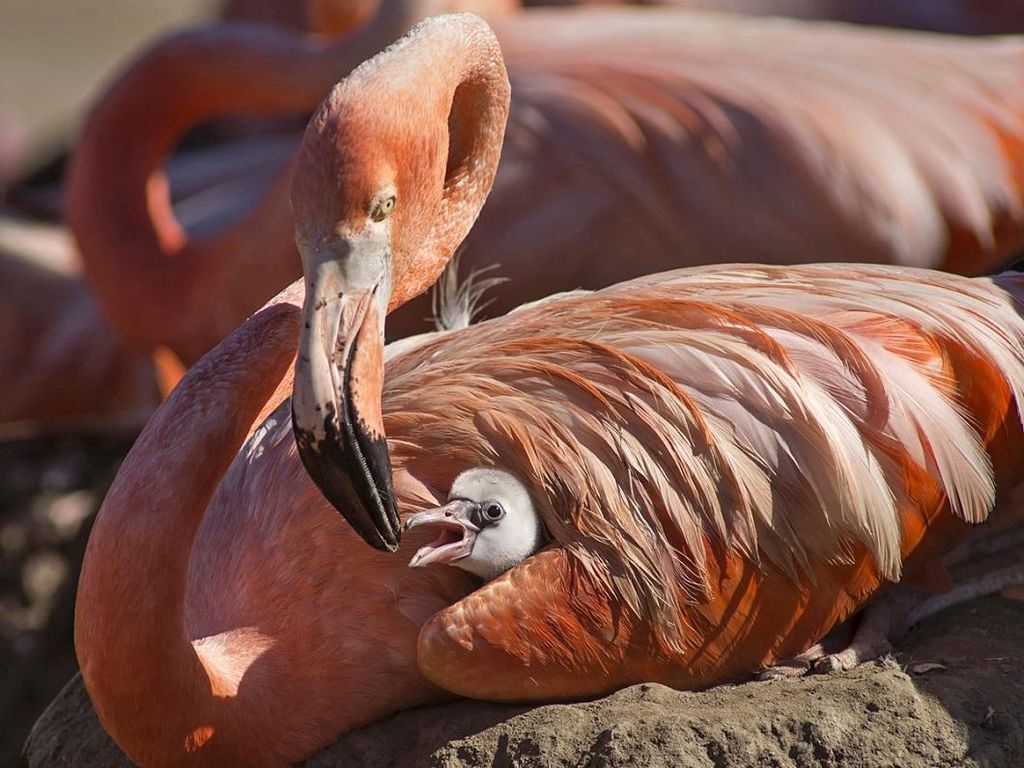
352, 484
375, 530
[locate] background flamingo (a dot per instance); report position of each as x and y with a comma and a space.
38, 402
965, 17
675, 135
647, 419
727, 151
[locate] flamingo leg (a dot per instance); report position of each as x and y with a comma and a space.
879, 626
983, 565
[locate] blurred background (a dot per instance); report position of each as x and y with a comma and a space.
55, 56
73, 394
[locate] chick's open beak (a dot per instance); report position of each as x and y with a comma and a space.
336, 403
456, 533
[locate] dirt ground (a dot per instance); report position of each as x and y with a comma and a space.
49, 492
952, 697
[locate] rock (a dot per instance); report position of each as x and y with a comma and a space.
969, 714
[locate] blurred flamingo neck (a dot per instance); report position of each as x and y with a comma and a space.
118, 204
426, 118
153, 279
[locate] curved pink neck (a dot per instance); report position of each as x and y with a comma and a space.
479, 102
446, 88
151, 688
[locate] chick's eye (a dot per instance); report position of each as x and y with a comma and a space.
493, 512
383, 208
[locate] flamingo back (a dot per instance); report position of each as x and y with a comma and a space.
730, 460
644, 141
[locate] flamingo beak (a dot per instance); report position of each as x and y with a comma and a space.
336, 402
457, 532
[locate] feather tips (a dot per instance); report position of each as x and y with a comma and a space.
679, 420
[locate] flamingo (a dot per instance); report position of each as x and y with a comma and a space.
226, 615
63, 364
687, 514
964, 17
678, 137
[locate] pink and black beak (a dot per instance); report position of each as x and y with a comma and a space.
458, 522
336, 402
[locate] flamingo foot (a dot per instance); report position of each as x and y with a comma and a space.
870, 643
794, 666
875, 629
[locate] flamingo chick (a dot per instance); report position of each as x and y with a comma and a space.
488, 526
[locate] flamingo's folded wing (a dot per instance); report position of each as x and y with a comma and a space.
527, 635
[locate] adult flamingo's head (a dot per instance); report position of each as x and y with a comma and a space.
394, 168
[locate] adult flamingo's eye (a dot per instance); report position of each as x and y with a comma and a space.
383, 208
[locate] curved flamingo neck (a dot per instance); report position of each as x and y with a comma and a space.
152, 689
431, 110
139, 258
478, 91
447, 71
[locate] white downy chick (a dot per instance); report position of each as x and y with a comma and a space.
488, 525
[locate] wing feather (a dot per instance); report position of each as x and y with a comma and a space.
805, 421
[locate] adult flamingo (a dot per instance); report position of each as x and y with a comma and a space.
63, 365
961, 17
226, 615
964, 17
676, 137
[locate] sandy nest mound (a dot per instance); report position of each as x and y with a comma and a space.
953, 696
